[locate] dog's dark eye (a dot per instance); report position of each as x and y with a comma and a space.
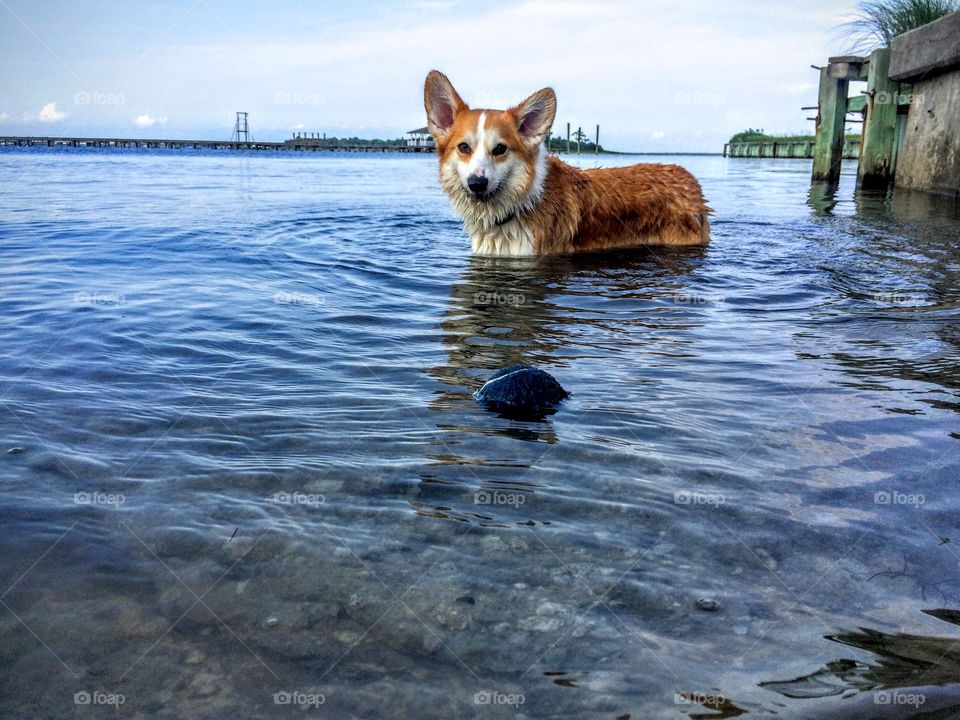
500, 149
464, 148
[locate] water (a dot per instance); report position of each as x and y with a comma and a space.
240, 456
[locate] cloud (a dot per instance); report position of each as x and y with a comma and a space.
145, 121
801, 88
658, 135
4, 116
50, 114
299, 126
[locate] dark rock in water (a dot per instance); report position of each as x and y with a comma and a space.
708, 604
521, 391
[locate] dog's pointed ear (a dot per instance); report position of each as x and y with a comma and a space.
534, 116
442, 104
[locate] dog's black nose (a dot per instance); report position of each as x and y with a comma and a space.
477, 184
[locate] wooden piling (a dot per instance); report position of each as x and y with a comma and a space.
596, 147
568, 138
879, 125
828, 149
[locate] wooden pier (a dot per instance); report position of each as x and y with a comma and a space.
303, 144
881, 109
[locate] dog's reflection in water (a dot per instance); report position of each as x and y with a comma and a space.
506, 311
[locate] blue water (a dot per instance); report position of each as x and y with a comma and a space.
244, 476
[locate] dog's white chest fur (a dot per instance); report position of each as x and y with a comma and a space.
511, 239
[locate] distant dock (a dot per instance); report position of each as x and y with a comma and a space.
297, 144
786, 149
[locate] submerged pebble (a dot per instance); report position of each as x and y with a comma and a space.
521, 391
708, 604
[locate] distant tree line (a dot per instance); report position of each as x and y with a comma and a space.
750, 135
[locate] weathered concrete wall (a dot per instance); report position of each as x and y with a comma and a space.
929, 158
929, 58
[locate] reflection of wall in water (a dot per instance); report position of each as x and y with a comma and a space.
902, 268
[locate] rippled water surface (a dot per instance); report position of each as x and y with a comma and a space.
244, 476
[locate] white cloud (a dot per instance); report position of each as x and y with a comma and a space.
658, 135
299, 126
4, 116
145, 121
50, 114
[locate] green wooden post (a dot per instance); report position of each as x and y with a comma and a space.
579, 135
898, 139
568, 138
596, 148
880, 124
828, 149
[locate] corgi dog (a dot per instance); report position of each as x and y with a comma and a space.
516, 199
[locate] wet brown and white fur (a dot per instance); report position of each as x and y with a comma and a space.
517, 200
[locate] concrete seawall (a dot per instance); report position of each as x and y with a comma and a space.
929, 59
786, 149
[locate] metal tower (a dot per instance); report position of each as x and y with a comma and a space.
241, 130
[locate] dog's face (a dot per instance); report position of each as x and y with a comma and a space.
488, 157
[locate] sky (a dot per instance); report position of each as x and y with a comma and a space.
656, 75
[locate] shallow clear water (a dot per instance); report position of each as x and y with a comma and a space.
240, 455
